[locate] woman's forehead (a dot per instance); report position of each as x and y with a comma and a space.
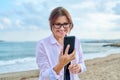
61, 19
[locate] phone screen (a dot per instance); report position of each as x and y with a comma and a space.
71, 41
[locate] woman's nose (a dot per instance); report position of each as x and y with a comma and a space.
62, 27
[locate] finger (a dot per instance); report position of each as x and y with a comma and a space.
76, 68
73, 66
61, 52
70, 66
72, 58
73, 55
75, 71
67, 49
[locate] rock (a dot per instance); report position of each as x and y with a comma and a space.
113, 45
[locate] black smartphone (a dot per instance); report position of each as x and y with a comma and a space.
71, 41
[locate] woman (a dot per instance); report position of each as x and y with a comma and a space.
49, 52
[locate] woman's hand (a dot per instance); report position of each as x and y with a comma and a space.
74, 68
64, 59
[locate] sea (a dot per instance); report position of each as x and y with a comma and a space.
20, 56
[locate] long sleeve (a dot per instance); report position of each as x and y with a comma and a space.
46, 72
80, 58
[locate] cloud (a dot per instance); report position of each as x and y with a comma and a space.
117, 25
18, 22
84, 5
1, 27
96, 25
24, 35
96, 16
33, 13
33, 27
116, 9
91, 18
6, 21
98, 21
102, 20
110, 5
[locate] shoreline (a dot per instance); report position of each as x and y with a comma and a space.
100, 68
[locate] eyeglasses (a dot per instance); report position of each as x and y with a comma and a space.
59, 25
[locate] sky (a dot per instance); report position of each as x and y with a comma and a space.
27, 20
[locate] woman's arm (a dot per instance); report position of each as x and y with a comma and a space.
46, 71
78, 64
64, 59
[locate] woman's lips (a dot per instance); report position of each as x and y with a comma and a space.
61, 32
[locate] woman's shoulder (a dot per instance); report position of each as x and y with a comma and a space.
77, 40
44, 40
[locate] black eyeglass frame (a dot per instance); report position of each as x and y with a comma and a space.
59, 25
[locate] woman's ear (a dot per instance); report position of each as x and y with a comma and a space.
52, 29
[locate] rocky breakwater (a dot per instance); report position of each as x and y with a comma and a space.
117, 44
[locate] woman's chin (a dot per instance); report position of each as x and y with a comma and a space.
60, 36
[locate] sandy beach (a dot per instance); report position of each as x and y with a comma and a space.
106, 68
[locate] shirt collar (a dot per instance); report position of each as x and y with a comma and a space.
53, 40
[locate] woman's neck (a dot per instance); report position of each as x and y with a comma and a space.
60, 40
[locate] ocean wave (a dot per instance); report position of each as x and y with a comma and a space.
17, 61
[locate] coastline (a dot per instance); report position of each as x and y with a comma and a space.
102, 68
